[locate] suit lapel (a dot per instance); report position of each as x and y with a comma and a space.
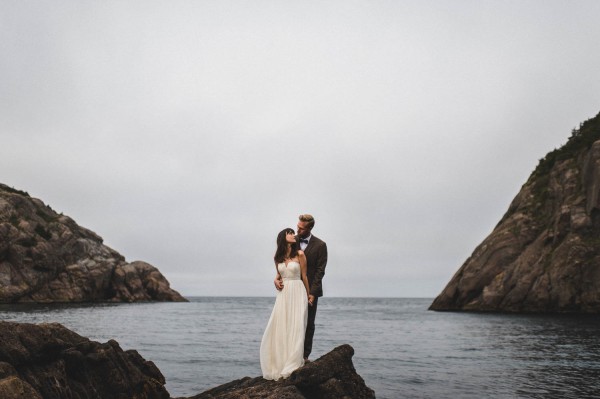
311, 244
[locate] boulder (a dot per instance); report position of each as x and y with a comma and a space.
331, 376
52, 362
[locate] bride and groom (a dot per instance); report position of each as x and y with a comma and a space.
300, 262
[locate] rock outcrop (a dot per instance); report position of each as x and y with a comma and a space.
544, 254
51, 362
331, 376
47, 257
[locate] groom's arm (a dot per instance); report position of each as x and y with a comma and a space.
316, 286
278, 282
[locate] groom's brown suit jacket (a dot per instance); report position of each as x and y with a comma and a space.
316, 260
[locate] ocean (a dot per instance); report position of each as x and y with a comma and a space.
402, 350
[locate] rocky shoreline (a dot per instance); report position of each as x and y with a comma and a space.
52, 362
47, 257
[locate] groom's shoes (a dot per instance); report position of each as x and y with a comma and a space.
306, 361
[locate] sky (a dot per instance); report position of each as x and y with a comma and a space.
189, 133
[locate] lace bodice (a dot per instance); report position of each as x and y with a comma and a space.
291, 271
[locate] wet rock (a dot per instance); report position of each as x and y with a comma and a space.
51, 362
331, 376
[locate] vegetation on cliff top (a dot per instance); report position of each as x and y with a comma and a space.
13, 190
581, 139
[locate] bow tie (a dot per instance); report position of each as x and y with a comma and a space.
304, 240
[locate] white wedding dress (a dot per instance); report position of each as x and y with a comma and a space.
282, 346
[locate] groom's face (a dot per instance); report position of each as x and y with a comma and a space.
303, 230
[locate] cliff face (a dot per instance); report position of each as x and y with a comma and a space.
47, 257
544, 254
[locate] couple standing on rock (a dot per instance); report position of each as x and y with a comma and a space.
300, 262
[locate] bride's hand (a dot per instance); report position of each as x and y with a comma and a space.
311, 299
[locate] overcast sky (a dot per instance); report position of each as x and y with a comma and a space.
189, 133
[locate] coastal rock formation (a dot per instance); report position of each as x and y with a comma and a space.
51, 362
544, 254
47, 257
331, 376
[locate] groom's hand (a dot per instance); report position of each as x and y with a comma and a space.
278, 283
311, 299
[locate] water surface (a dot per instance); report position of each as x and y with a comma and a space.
401, 349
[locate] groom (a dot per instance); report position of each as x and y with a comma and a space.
316, 260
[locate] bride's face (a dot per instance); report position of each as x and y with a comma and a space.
290, 237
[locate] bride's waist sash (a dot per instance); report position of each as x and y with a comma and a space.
291, 278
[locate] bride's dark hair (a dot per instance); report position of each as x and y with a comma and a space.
282, 246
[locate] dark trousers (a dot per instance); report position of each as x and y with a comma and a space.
310, 328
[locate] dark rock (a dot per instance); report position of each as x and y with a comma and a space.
544, 254
47, 257
49, 361
52, 362
331, 376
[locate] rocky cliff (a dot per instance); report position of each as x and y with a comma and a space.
47, 257
51, 362
544, 254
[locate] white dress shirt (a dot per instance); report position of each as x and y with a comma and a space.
303, 245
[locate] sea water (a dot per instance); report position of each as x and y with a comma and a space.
402, 350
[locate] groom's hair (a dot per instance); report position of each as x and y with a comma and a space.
308, 219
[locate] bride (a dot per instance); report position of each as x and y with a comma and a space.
282, 345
